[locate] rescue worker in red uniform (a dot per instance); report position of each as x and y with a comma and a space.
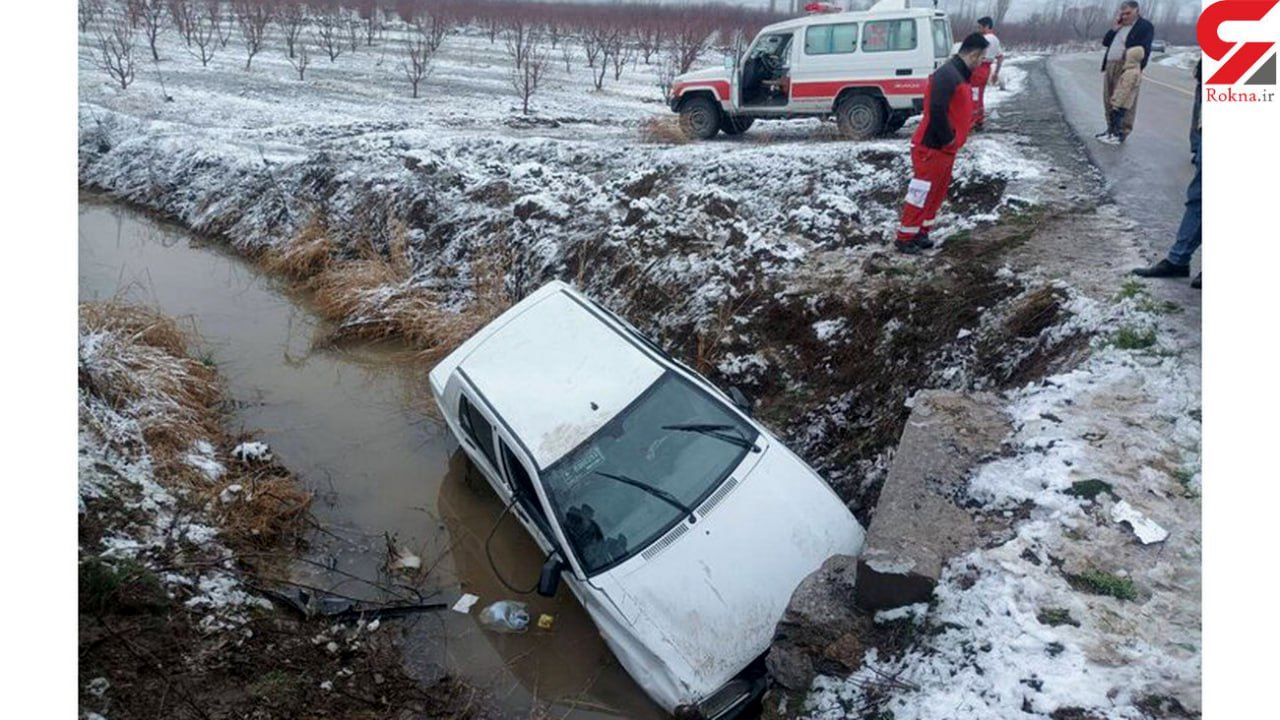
987, 73
948, 116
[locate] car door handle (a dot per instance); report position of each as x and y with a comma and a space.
902, 71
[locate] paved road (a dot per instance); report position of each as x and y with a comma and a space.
1147, 175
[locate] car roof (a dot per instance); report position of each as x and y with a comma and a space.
557, 372
850, 16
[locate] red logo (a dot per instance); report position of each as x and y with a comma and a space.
1247, 54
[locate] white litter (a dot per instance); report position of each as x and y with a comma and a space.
465, 603
252, 452
1147, 530
407, 560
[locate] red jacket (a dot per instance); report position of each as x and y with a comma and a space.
948, 108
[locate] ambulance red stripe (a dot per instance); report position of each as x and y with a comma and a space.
831, 88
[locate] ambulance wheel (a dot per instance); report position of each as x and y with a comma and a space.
700, 118
895, 122
860, 117
736, 124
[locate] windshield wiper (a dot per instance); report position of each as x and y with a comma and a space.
717, 432
659, 493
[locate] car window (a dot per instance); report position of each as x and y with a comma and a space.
477, 428
831, 39
519, 478
779, 45
941, 38
607, 520
889, 35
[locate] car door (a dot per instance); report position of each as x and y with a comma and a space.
528, 503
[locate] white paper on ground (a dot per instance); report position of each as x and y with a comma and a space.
465, 603
1147, 531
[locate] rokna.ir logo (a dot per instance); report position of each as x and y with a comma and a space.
1242, 63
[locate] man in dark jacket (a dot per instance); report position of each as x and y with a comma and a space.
948, 117
1130, 30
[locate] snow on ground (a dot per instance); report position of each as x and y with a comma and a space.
145, 520
1184, 58
1011, 631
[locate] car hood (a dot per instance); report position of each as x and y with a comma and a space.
703, 75
713, 598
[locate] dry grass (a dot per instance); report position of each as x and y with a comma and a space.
662, 129
138, 361
375, 298
305, 255
142, 365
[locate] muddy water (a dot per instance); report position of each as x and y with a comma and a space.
352, 422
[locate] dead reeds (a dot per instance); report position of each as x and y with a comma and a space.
143, 366
376, 298
662, 129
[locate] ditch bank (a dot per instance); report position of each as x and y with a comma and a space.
181, 526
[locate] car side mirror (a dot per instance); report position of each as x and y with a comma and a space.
549, 579
740, 399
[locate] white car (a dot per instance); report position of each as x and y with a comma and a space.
680, 523
867, 69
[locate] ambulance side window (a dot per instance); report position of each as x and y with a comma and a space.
889, 35
941, 39
831, 39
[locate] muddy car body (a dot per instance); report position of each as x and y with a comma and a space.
680, 523
867, 69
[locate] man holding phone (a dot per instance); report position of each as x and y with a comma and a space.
1130, 30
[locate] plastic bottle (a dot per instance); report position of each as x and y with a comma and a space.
505, 616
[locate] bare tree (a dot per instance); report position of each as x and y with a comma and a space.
526, 76
291, 16
566, 54
328, 30
223, 24
1084, 19
254, 17
204, 32
433, 24
689, 40
623, 53
300, 58
89, 10
519, 39
115, 42
416, 63
371, 15
184, 13
1002, 10
149, 15
667, 71
353, 31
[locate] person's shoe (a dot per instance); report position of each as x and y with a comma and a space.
923, 241
1110, 139
1163, 269
910, 247
1195, 282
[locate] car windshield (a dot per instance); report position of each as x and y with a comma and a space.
676, 439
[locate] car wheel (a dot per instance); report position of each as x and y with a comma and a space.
736, 124
700, 118
860, 117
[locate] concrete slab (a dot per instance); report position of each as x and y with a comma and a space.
918, 524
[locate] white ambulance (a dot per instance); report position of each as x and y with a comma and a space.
867, 69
